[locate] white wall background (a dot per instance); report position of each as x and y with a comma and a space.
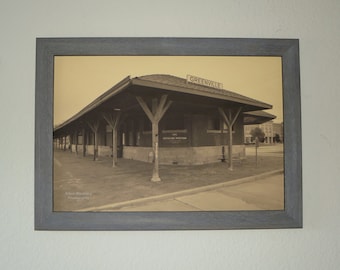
315, 22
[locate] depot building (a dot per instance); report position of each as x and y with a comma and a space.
165, 120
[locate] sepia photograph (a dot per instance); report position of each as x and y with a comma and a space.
168, 133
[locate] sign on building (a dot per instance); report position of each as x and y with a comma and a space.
205, 82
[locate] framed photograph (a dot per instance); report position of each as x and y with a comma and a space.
167, 134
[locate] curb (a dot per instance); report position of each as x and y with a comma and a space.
116, 206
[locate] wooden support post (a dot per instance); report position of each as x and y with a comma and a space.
94, 127
230, 121
95, 157
113, 121
64, 138
230, 148
114, 147
155, 143
70, 141
76, 141
84, 142
158, 109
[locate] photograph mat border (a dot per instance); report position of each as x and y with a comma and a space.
46, 219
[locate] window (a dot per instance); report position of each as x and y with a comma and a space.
174, 124
214, 123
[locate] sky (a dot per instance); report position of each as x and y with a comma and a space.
78, 80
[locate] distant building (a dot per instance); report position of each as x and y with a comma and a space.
273, 132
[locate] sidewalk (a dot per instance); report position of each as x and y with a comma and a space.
261, 192
81, 183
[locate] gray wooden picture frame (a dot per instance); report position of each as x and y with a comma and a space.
46, 219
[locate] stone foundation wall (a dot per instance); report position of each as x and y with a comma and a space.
138, 153
89, 149
170, 155
104, 151
182, 155
73, 148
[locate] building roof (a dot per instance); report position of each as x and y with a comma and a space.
168, 83
178, 84
261, 114
257, 117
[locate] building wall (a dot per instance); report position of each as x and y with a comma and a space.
195, 131
197, 142
278, 129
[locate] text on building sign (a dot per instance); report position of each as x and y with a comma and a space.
205, 82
